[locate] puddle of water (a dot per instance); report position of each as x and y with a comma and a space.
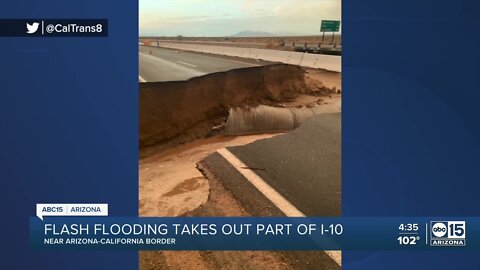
186, 186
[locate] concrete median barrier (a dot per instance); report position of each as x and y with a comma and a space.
319, 61
328, 62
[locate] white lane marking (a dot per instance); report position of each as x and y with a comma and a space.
276, 198
141, 79
270, 193
186, 64
232, 61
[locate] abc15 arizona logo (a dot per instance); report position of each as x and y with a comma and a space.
447, 233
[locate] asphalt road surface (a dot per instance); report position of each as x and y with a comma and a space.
294, 174
160, 64
303, 166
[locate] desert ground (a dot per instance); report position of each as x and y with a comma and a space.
276, 42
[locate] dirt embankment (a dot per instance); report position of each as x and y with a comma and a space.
181, 111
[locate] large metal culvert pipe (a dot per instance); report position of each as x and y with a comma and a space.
266, 119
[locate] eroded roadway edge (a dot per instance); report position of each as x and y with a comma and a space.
302, 166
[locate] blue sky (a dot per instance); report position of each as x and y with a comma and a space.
228, 17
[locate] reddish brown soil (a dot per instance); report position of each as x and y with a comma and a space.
181, 111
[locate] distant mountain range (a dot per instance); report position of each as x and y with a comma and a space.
253, 34
265, 34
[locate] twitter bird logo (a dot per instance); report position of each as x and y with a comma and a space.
32, 28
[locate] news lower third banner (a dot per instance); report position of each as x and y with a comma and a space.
254, 233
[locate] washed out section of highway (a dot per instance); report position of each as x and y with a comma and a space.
176, 124
160, 64
191, 109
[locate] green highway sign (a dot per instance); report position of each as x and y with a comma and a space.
330, 26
